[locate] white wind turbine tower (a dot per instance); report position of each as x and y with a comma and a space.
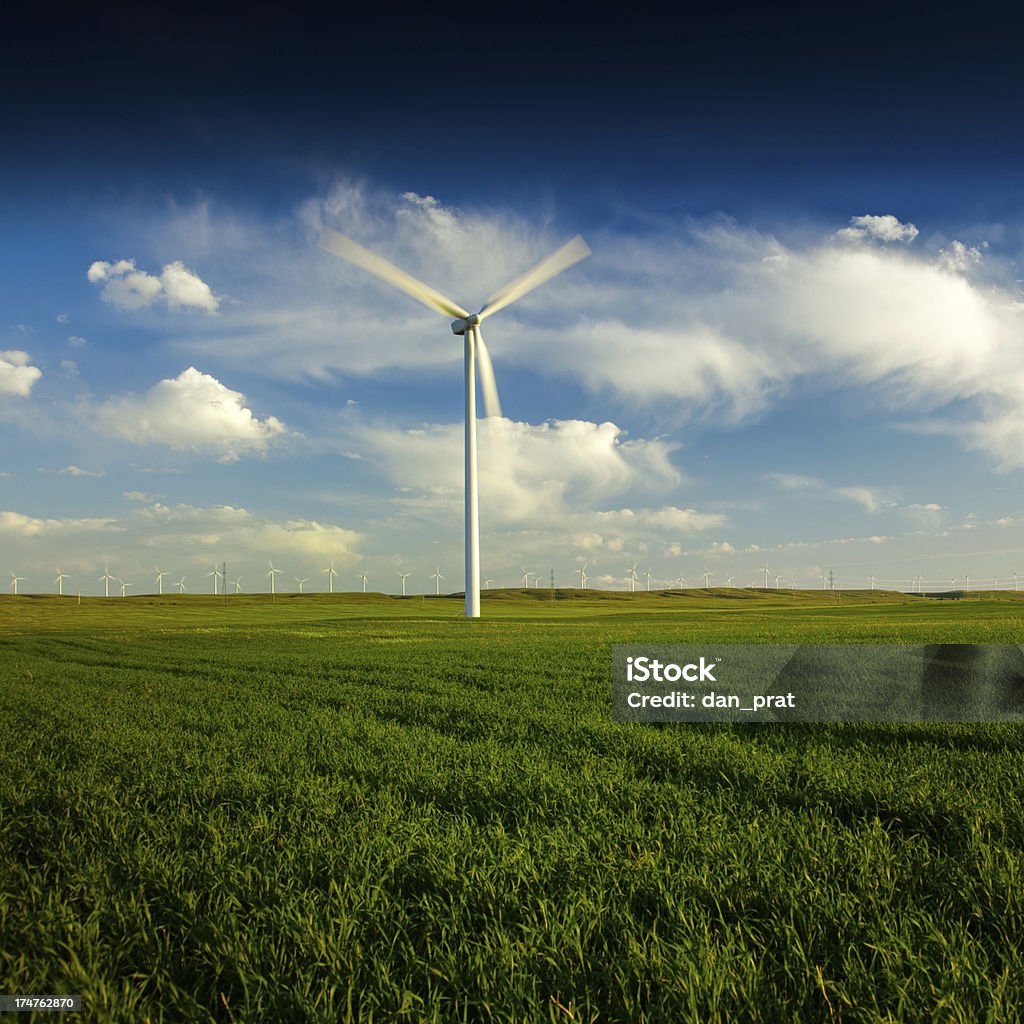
15, 580
362, 576
300, 582
405, 576
648, 575
583, 576
707, 577
632, 579
764, 569
273, 578
487, 582
437, 577
680, 580
105, 580
330, 578
61, 577
467, 325
124, 586
526, 579
728, 580
871, 580
215, 574
159, 581
238, 585
181, 585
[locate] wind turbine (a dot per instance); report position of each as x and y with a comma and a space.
15, 580
105, 580
680, 580
437, 577
215, 574
728, 580
467, 325
362, 576
159, 581
764, 569
300, 582
583, 576
632, 579
273, 577
181, 585
405, 576
871, 580
124, 586
61, 577
238, 585
330, 578
526, 579
648, 575
707, 577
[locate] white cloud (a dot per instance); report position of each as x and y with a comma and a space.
77, 342
126, 287
21, 527
958, 257
16, 375
705, 319
191, 412
139, 496
863, 496
70, 471
866, 497
881, 229
63, 318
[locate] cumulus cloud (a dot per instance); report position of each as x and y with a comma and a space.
959, 258
125, 286
869, 227
16, 375
868, 498
191, 412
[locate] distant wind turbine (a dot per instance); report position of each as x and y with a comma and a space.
181, 585
583, 576
467, 325
300, 582
124, 586
765, 571
632, 579
61, 577
728, 581
488, 582
159, 581
405, 576
526, 579
238, 585
707, 577
216, 575
330, 578
105, 580
362, 576
273, 578
15, 580
437, 577
648, 575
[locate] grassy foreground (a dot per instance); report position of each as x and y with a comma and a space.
366, 808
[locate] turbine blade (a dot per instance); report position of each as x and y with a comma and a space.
571, 253
334, 242
488, 385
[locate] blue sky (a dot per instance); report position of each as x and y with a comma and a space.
799, 340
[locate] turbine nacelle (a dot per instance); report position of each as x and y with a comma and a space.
463, 323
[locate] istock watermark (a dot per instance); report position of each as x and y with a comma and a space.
818, 683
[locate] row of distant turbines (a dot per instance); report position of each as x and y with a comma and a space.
530, 580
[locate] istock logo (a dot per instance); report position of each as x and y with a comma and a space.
643, 670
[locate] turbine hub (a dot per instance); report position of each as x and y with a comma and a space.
463, 324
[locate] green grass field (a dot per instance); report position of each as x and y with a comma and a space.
366, 808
